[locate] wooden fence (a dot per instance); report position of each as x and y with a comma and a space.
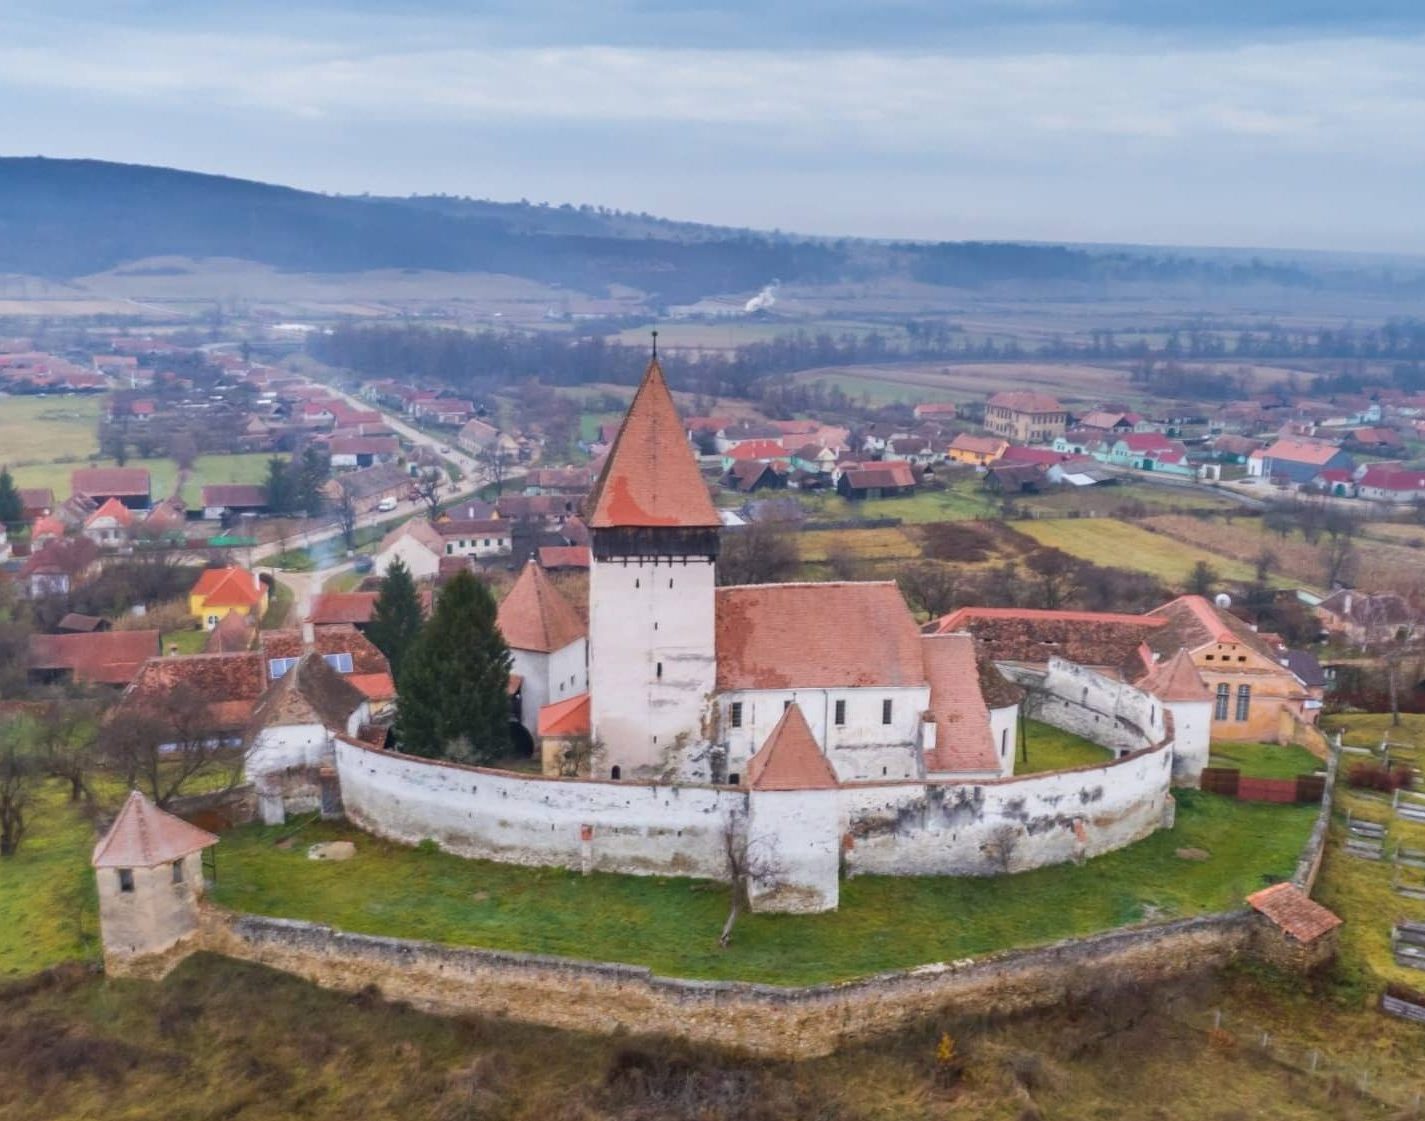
1233, 783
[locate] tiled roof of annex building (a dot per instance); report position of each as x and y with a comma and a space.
536, 616
833, 635
790, 759
963, 741
650, 477
1088, 638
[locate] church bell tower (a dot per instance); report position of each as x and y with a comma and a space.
654, 529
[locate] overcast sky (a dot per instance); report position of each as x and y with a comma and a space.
1201, 122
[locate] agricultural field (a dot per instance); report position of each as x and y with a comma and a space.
913, 382
1380, 566
1118, 544
43, 430
1131, 499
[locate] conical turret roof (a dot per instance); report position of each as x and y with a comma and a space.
1176, 679
536, 616
144, 836
650, 477
790, 759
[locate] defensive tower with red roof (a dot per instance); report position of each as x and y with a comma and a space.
654, 543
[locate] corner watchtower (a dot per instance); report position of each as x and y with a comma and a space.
149, 867
654, 530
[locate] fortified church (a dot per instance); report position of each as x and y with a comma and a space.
688, 680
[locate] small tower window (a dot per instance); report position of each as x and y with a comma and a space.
734, 714
178, 871
126, 879
840, 717
637, 583
734, 778
616, 773
658, 671
670, 581
886, 711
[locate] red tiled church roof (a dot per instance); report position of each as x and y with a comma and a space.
650, 477
962, 721
568, 717
834, 635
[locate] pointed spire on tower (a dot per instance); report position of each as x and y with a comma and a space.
651, 477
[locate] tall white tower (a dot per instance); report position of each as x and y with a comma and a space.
652, 659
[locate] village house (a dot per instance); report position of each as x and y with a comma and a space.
130, 485
97, 657
1030, 418
331, 609
911, 449
979, 451
109, 525
1296, 461
861, 481
1368, 619
1110, 422
362, 451
224, 500
36, 502
573, 481
1390, 482
462, 538
936, 410
1146, 451
222, 591
342, 646
59, 566
417, 544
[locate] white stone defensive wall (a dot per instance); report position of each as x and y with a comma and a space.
1006, 825
984, 827
638, 828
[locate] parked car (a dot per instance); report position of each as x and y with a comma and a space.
386, 505
363, 564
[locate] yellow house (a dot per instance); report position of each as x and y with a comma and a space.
977, 450
223, 591
1256, 699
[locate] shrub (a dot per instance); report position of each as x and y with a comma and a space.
1370, 775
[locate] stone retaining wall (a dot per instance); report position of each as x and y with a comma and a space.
790, 1023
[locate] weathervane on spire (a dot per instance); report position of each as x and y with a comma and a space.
655, 345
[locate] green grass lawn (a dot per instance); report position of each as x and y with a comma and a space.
963, 500
1266, 760
186, 641
1046, 748
672, 925
47, 902
1368, 729
279, 606
38, 430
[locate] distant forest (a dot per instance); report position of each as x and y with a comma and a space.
484, 361
71, 218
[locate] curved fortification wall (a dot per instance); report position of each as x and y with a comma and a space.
902, 827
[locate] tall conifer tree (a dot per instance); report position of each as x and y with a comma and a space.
454, 684
396, 619
12, 507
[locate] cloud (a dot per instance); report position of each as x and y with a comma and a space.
1115, 129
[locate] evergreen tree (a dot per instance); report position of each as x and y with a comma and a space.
396, 620
453, 688
12, 508
279, 486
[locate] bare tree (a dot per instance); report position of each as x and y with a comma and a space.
1056, 576
19, 772
426, 487
496, 461
1338, 559
166, 742
1000, 846
65, 737
930, 586
748, 862
346, 514
581, 756
759, 553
